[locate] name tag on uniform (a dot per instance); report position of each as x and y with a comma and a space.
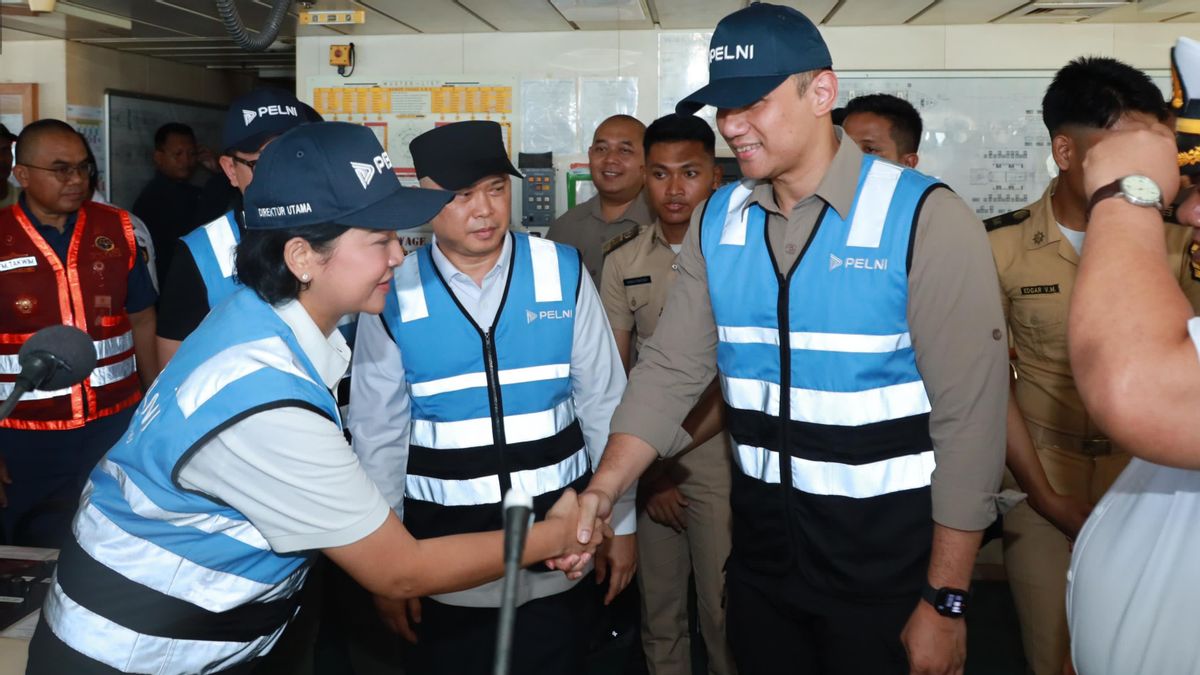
17, 263
637, 281
1039, 290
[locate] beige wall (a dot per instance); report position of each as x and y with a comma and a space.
91, 70
42, 62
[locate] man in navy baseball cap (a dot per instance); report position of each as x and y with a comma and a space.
334, 172
838, 565
752, 52
200, 273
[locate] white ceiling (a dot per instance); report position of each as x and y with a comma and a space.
190, 31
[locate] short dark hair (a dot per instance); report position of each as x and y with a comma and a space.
165, 131
260, 263
30, 135
906, 121
838, 115
1096, 91
674, 128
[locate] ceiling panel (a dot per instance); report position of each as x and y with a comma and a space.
875, 13
817, 10
518, 16
1133, 15
694, 15
966, 11
429, 16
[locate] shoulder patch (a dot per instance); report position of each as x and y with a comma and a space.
1006, 219
621, 239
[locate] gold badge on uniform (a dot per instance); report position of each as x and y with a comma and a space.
105, 244
25, 305
1039, 237
1195, 248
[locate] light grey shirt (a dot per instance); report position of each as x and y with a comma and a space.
379, 398
290, 470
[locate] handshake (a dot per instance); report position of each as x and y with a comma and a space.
580, 525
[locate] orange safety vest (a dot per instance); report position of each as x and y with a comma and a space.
88, 292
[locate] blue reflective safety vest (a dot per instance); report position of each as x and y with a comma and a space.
828, 412
491, 405
159, 579
213, 248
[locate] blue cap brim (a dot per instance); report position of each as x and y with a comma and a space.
404, 209
733, 92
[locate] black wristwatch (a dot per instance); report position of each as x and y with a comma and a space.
950, 602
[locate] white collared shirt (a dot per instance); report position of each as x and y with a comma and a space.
290, 470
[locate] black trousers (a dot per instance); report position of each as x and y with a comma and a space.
775, 626
550, 636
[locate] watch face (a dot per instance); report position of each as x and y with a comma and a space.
1141, 190
951, 602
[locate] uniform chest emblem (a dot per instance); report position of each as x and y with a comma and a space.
25, 305
1039, 237
105, 244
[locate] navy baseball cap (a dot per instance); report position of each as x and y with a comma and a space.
334, 172
260, 115
753, 51
457, 155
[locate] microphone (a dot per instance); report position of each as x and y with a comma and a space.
53, 358
518, 515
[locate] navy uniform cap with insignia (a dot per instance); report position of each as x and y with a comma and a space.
456, 156
1185, 101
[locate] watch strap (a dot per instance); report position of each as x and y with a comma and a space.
1111, 190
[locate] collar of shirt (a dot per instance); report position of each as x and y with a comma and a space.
658, 236
638, 211
837, 187
67, 229
1042, 221
330, 355
454, 276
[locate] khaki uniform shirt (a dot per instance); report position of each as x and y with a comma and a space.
1037, 267
585, 228
954, 317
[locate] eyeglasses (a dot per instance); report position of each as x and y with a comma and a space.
249, 163
85, 170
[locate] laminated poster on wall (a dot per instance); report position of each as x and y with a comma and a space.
601, 98
549, 117
89, 122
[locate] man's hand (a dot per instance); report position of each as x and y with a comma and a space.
617, 561
665, 504
400, 615
936, 645
567, 513
1133, 148
595, 510
1063, 511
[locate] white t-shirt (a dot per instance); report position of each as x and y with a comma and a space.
290, 471
1134, 583
1073, 236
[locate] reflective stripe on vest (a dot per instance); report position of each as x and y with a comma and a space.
214, 250
858, 481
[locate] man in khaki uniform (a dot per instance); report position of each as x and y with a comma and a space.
684, 525
1055, 451
617, 163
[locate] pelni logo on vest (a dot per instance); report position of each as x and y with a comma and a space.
531, 316
857, 263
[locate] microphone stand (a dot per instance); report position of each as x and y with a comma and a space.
514, 546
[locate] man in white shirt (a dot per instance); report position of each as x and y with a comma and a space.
1134, 583
493, 366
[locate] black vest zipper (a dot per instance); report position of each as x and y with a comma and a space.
496, 406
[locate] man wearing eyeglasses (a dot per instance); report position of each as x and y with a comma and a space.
201, 271
66, 260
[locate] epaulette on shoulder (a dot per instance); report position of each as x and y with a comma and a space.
621, 239
1006, 219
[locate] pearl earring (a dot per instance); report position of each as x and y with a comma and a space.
305, 277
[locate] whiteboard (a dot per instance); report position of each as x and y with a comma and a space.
984, 135
130, 121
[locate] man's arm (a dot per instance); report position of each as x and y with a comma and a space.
379, 409
959, 338
1065, 512
143, 345
1131, 353
620, 318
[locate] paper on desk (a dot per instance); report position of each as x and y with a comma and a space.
23, 629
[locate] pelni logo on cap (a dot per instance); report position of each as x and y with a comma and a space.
366, 172
251, 115
738, 52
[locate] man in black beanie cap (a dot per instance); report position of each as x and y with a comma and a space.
492, 368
